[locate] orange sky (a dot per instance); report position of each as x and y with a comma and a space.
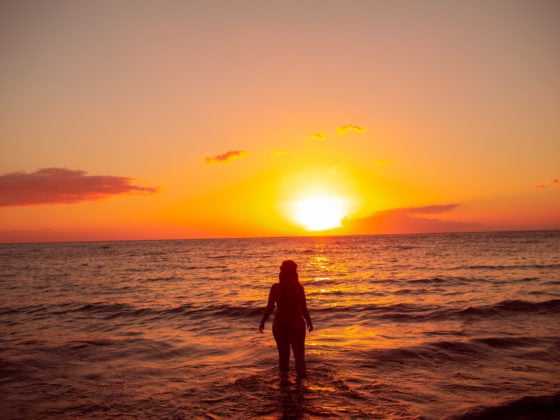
147, 120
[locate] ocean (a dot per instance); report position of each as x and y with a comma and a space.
456, 326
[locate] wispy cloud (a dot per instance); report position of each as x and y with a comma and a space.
555, 183
346, 128
279, 153
60, 186
318, 136
407, 220
226, 157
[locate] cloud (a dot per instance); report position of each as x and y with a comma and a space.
407, 220
226, 157
279, 153
61, 186
318, 136
554, 183
345, 128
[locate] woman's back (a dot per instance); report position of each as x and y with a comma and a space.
290, 302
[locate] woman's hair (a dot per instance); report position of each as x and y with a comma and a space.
290, 287
288, 272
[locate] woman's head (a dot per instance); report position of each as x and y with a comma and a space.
288, 272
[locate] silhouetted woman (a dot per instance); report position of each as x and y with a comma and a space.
289, 320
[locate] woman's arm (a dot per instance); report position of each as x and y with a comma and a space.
305, 312
269, 306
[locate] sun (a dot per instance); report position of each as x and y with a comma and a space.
319, 212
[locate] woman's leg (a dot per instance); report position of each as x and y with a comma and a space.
297, 340
283, 344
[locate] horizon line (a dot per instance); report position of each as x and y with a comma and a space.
280, 237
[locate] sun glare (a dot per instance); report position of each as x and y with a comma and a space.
319, 212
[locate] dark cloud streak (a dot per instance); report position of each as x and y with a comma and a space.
407, 220
346, 128
61, 186
226, 157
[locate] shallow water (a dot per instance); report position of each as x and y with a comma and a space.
407, 326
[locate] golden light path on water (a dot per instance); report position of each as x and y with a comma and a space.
356, 335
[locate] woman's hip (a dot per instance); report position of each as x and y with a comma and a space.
289, 326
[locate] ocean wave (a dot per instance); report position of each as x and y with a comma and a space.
508, 342
102, 350
440, 280
232, 311
235, 311
27, 309
114, 310
163, 278
398, 307
320, 281
400, 247
506, 267
400, 312
410, 292
14, 369
529, 407
552, 282
447, 280
498, 309
339, 292
436, 352
103, 308
430, 354
547, 306
408, 312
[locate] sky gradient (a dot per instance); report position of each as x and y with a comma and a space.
168, 119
